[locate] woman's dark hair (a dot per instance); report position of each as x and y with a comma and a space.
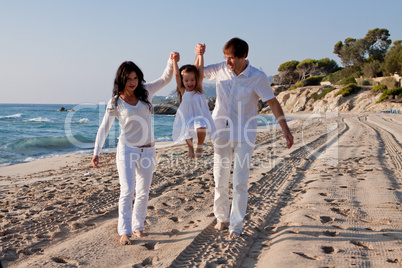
188, 68
125, 69
238, 46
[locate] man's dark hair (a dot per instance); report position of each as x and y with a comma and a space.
238, 46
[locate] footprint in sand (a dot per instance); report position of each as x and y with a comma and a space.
149, 245
145, 263
304, 255
190, 208
342, 211
340, 227
394, 260
361, 244
323, 219
324, 194
63, 260
329, 250
330, 233
174, 219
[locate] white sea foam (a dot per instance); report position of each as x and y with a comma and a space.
83, 121
164, 139
39, 119
10, 116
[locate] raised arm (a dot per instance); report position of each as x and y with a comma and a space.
199, 63
176, 71
199, 59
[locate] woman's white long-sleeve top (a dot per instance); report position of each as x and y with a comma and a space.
134, 120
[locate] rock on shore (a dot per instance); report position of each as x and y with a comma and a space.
171, 107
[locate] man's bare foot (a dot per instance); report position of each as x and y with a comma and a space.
140, 234
233, 235
198, 151
219, 226
124, 240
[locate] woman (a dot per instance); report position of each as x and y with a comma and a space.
135, 156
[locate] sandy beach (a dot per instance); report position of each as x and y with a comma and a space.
332, 200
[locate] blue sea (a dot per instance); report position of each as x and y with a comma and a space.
34, 131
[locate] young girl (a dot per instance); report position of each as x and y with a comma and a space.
135, 156
193, 119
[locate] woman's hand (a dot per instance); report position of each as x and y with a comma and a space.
95, 161
175, 56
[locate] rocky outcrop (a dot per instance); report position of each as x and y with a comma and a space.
62, 109
167, 108
301, 100
172, 106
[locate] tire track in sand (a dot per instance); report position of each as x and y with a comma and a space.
390, 143
211, 248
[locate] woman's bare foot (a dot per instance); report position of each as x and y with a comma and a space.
219, 226
124, 240
233, 235
191, 152
140, 234
198, 151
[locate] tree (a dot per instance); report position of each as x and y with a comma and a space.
351, 52
393, 59
306, 67
327, 66
287, 72
371, 69
377, 42
356, 51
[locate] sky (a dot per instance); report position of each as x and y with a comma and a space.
67, 52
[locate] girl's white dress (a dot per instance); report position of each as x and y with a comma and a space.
192, 113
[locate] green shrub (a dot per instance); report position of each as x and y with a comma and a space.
334, 77
390, 93
317, 96
347, 72
347, 81
348, 90
299, 84
366, 83
310, 81
390, 82
379, 88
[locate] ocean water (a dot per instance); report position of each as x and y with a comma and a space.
35, 131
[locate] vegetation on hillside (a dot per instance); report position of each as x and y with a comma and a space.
350, 89
391, 93
371, 56
318, 96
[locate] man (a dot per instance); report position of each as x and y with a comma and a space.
239, 86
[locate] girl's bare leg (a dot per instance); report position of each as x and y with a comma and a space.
201, 134
190, 148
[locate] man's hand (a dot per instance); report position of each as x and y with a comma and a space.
289, 138
200, 49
